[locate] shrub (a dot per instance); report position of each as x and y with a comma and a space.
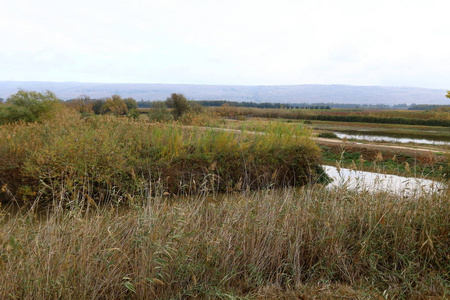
83, 104
130, 103
159, 112
114, 105
179, 105
29, 107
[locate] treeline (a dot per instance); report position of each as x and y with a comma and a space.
32, 106
218, 103
320, 105
115, 105
428, 107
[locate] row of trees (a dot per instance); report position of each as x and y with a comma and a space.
112, 105
321, 105
31, 106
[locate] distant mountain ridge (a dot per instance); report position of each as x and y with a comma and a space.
305, 93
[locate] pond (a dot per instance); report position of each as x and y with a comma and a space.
377, 182
370, 136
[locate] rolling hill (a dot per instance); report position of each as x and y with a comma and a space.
277, 93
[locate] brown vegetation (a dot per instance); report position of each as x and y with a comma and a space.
272, 244
103, 157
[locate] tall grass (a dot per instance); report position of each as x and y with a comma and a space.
291, 242
105, 156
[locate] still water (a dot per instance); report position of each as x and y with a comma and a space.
379, 138
377, 182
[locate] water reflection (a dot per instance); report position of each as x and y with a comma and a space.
376, 182
379, 138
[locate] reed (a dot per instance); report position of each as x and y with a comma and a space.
102, 157
305, 242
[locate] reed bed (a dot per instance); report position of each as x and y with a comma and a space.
378, 117
107, 157
307, 243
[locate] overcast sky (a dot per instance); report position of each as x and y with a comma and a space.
359, 42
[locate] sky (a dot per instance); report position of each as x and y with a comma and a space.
283, 42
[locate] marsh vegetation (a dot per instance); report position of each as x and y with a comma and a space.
110, 206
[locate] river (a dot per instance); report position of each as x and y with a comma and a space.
377, 182
395, 139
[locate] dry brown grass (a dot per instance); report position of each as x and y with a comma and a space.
305, 243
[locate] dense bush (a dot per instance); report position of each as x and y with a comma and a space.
179, 105
29, 107
159, 112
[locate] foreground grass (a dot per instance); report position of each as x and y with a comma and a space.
296, 242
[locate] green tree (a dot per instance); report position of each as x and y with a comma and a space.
131, 103
132, 106
448, 94
97, 106
83, 104
114, 105
29, 107
179, 105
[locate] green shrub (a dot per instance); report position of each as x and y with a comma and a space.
29, 107
159, 112
114, 105
179, 105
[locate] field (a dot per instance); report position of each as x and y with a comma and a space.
110, 207
435, 118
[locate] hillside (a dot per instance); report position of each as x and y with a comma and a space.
277, 93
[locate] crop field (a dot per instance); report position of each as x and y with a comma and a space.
162, 206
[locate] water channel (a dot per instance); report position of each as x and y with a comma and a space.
377, 182
359, 135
